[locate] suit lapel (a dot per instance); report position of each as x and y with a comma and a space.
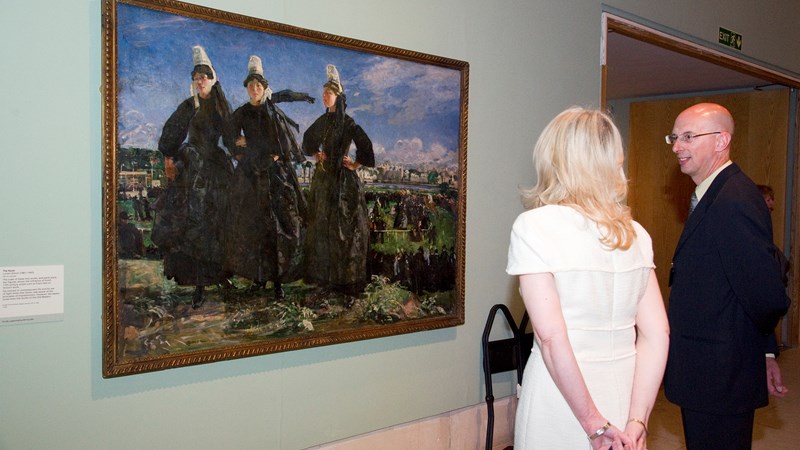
696, 217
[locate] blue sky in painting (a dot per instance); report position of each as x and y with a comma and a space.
410, 110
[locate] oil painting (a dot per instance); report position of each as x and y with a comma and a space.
269, 188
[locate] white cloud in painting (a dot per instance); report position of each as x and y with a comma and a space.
135, 132
413, 152
408, 92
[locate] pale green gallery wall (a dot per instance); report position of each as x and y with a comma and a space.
528, 60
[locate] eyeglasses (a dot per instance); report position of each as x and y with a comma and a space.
685, 137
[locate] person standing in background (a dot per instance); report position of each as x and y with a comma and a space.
130, 242
769, 197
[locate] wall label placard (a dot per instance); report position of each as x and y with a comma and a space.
31, 294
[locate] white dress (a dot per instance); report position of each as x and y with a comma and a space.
599, 291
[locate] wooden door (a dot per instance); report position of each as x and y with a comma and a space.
659, 192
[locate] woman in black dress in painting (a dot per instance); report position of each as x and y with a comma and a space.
268, 207
189, 228
338, 231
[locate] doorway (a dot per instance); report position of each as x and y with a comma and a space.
647, 65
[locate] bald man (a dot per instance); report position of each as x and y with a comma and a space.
726, 291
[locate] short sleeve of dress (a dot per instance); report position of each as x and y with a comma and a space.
525, 250
644, 245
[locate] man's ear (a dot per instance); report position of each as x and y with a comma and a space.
722, 141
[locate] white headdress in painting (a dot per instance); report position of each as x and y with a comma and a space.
334, 83
254, 67
199, 57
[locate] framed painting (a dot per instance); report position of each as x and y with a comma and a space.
269, 188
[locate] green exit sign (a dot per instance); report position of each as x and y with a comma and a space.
730, 39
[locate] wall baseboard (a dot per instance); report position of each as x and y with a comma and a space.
461, 429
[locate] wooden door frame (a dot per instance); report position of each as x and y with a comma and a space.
613, 23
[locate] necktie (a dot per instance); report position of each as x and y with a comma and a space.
692, 202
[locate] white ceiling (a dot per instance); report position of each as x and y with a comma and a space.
639, 69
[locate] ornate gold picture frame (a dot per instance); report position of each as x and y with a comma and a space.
344, 220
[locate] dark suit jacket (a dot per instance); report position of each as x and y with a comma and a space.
726, 299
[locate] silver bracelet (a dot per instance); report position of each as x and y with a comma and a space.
600, 431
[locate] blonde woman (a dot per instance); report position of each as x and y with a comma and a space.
587, 278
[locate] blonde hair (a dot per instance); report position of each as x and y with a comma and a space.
578, 163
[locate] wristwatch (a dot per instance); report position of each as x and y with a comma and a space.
600, 431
